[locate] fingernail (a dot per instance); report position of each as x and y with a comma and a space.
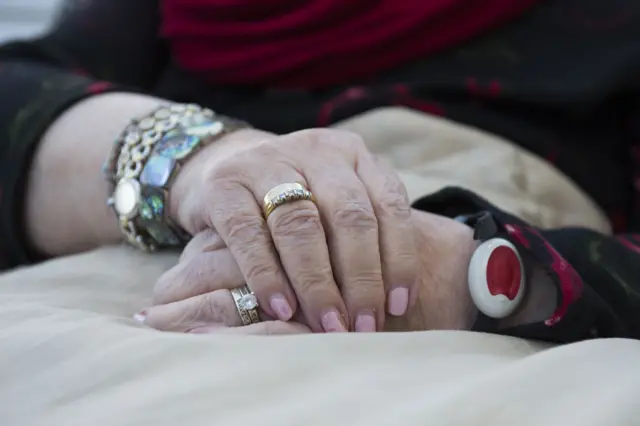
331, 323
281, 307
398, 301
365, 323
140, 317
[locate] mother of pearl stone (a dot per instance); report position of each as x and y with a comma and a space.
126, 197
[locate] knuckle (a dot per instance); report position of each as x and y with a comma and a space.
394, 201
366, 288
208, 240
260, 271
314, 283
320, 138
409, 261
405, 268
174, 284
316, 138
243, 226
354, 141
192, 274
253, 247
394, 205
355, 214
211, 308
298, 222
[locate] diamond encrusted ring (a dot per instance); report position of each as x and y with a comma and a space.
285, 193
247, 304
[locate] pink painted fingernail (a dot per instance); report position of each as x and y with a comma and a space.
140, 316
331, 323
398, 301
365, 323
281, 307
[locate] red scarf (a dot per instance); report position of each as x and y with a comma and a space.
315, 43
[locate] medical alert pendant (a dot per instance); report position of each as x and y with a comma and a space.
496, 278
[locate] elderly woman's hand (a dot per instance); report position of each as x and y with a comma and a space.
343, 258
194, 296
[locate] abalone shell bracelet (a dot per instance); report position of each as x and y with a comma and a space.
144, 161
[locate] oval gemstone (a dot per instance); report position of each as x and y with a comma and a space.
176, 144
126, 196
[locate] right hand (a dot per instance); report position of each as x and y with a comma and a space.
340, 258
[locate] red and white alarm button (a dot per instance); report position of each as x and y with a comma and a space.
496, 278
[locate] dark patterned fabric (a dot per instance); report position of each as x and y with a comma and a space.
562, 82
596, 276
37, 105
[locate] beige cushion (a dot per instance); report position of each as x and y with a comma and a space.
71, 356
431, 153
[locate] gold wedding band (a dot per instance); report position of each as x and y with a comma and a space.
246, 304
283, 194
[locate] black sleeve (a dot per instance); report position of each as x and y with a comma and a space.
597, 276
92, 47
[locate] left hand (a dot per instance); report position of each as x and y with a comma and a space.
343, 260
194, 295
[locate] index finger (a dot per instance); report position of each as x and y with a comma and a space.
234, 212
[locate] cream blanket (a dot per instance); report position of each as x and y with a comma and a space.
70, 354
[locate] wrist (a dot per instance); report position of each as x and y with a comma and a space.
185, 191
65, 209
443, 300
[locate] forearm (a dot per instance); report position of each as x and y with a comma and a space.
65, 210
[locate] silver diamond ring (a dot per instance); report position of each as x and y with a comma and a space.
247, 304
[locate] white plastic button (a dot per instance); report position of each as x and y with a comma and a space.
496, 278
